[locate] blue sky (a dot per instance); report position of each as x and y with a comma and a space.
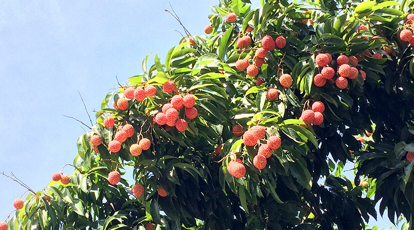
49, 51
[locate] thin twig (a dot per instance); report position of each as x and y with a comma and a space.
9, 215
78, 121
178, 20
84, 105
21, 183
80, 171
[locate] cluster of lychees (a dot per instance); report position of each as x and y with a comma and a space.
406, 34
346, 70
314, 115
62, 178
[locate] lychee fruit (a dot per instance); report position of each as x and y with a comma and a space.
96, 140
280, 42
411, 41
138, 190
161, 119
177, 102
252, 71
366, 52
169, 87
114, 146
259, 161
329, 57
261, 52
322, 59
191, 113
286, 80
18, 203
268, 43
236, 169
162, 192
272, 94
145, 143
344, 70
353, 73
3, 226
129, 93
231, 17
318, 106
139, 94
353, 60
341, 82
249, 138
259, 132
265, 150
318, 118
208, 29
129, 130
362, 28
377, 55
328, 72
189, 101
363, 74
65, 179
259, 81
114, 177
56, 176
135, 150
319, 80
258, 61
172, 116
190, 39
242, 64
109, 121
410, 18
405, 35
95, 149
244, 41
217, 150
150, 91
249, 29
165, 107
121, 136
342, 59
150, 226
274, 142
181, 125
237, 130
307, 116
410, 156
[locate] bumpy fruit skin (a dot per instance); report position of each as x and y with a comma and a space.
378, 55
65, 179
129, 130
237, 130
268, 43
18, 203
169, 87
231, 17
114, 146
172, 116
135, 150
181, 125
139, 94
129, 93
258, 61
410, 156
353, 73
265, 150
319, 80
259, 161
150, 90
261, 52
341, 82
56, 176
217, 150
259, 81
242, 64
122, 103
114, 177
274, 142
244, 41
362, 28
259, 131
208, 29
109, 121
249, 138
177, 102
410, 18
161, 119
353, 60
280, 42
318, 118
96, 140
363, 74
307, 116
343, 70
286, 80
121, 136
366, 52
272, 94
145, 143
191, 113
165, 107
162, 192
318, 106
252, 71
236, 169
405, 35
189, 101
342, 59
322, 59
329, 57
3, 226
411, 41
138, 190
328, 72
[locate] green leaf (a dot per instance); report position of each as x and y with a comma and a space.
224, 43
385, 4
242, 196
364, 9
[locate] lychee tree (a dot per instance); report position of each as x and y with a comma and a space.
250, 126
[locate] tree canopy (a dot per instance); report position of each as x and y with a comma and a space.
249, 126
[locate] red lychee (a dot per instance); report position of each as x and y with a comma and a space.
353, 73
280, 42
162, 192
363, 74
3, 226
244, 41
410, 18
95, 149
341, 82
231, 17
259, 81
236, 169
286, 80
328, 72
242, 64
18, 203
172, 116
217, 150
268, 43
237, 130
261, 52
145, 143
189, 101
138, 190
329, 57
165, 107
362, 28
114, 146
318, 118
139, 94
307, 116
410, 156
150, 91
405, 35
258, 61
129, 93
161, 119
342, 59
377, 55
191, 113
249, 29
265, 150
109, 121
169, 87
366, 52
135, 150
121, 136
181, 125
318, 106
319, 80
259, 161
208, 29
114, 177
252, 71
56, 176
274, 142
272, 94
65, 179
96, 140
259, 131
322, 59
129, 130
177, 102
344, 70
353, 60
249, 138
